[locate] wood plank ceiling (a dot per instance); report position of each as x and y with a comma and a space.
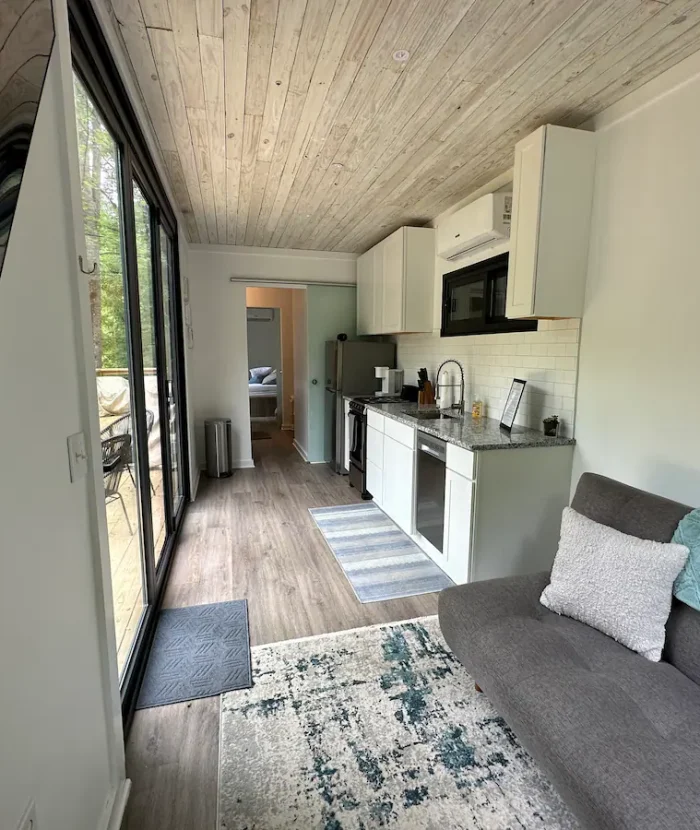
290, 123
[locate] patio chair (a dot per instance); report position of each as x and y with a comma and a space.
122, 426
115, 451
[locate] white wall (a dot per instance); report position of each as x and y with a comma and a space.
219, 365
639, 389
56, 727
301, 372
275, 265
264, 347
219, 360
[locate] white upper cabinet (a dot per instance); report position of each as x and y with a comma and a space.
395, 283
552, 195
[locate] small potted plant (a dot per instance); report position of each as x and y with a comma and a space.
551, 426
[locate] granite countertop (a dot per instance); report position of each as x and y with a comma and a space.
464, 431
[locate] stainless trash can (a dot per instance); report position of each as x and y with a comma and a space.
217, 439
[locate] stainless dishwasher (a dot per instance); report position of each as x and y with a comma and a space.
430, 489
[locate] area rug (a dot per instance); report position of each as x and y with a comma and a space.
376, 727
380, 561
199, 651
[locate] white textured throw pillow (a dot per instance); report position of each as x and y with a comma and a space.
619, 584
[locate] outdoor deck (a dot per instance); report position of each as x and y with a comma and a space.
125, 558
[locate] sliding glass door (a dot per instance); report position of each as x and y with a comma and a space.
103, 213
137, 345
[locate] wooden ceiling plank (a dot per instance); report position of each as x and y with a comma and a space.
199, 130
165, 55
536, 87
333, 44
212, 55
316, 19
257, 191
236, 31
364, 28
183, 14
156, 14
210, 17
251, 136
290, 18
176, 177
263, 17
284, 49
534, 26
138, 48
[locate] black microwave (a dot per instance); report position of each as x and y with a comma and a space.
474, 300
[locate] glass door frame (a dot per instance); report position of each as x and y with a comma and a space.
94, 65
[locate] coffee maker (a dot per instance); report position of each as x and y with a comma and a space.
392, 380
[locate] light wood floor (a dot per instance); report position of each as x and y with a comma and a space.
249, 536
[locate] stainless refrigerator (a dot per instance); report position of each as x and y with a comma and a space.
349, 371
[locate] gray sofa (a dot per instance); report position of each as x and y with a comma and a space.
618, 735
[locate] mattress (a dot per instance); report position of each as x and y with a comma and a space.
262, 390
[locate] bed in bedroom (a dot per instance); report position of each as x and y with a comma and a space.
262, 391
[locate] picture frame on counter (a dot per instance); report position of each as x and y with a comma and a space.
510, 410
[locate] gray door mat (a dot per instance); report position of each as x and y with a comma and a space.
197, 652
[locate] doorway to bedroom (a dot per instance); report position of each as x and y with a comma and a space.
270, 332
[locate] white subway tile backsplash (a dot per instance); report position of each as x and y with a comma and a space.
547, 359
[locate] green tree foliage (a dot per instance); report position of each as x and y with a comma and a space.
102, 210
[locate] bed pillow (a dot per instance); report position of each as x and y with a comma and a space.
271, 378
618, 584
687, 586
258, 375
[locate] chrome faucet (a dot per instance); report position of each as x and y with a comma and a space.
459, 406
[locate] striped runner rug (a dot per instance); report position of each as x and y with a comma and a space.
380, 561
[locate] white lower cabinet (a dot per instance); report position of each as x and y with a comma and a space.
375, 464
459, 492
502, 507
374, 480
397, 498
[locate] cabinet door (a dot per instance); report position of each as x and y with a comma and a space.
527, 193
398, 483
365, 293
377, 288
375, 447
393, 283
458, 525
374, 483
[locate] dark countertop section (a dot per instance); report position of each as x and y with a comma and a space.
464, 431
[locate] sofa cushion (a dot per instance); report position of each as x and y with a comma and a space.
652, 517
618, 735
617, 583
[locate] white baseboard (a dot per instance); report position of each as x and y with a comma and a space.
302, 452
113, 814
243, 463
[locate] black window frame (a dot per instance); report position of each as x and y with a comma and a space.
488, 270
95, 66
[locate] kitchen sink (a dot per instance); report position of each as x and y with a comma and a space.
432, 415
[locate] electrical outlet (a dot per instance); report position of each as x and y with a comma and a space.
28, 820
77, 456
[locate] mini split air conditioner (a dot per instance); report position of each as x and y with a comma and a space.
476, 227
